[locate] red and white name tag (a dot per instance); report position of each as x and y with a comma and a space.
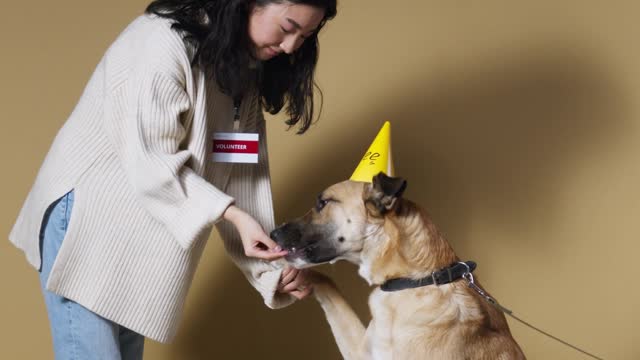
235, 147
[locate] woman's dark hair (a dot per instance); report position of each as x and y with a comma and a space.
219, 31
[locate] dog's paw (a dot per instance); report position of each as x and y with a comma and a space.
321, 282
323, 286
318, 278
325, 290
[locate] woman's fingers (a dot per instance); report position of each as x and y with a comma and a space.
261, 250
288, 275
269, 243
295, 282
301, 294
255, 242
299, 283
266, 254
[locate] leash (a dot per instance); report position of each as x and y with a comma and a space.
469, 278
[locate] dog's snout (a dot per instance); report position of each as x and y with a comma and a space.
286, 234
277, 233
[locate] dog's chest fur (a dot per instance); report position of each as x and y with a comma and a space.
408, 324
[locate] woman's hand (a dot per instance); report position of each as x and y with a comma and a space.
258, 244
295, 282
255, 241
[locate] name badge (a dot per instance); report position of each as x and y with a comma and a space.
235, 147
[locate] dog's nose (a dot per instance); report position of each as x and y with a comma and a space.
286, 235
278, 234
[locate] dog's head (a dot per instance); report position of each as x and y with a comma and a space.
344, 217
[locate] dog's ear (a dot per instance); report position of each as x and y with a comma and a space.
382, 195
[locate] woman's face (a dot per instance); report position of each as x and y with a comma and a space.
276, 28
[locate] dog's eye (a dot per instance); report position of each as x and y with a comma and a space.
321, 203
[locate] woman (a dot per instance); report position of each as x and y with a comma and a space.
129, 183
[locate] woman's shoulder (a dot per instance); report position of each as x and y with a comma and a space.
149, 27
150, 39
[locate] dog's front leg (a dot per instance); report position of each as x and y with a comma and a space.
347, 328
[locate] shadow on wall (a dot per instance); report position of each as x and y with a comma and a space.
233, 323
494, 135
495, 138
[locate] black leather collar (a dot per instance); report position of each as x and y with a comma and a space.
439, 277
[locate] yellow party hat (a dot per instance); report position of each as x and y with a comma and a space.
377, 158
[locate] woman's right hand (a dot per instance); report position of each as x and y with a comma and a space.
255, 241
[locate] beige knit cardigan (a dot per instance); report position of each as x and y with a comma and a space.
136, 150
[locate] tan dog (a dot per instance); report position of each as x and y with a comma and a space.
389, 237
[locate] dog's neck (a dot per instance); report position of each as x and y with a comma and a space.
406, 244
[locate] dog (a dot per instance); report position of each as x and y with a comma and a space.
397, 247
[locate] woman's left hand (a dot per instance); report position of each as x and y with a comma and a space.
295, 282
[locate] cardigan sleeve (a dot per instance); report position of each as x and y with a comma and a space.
250, 184
146, 111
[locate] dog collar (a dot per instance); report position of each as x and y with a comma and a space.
438, 277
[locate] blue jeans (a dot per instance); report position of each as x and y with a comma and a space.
77, 332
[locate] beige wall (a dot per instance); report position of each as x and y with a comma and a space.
516, 125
